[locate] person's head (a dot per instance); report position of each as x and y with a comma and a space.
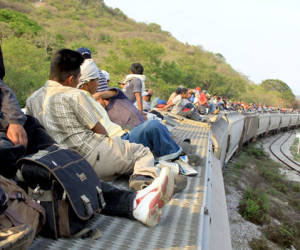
89, 76
65, 67
107, 76
137, 68
147, 95
190, 93
178, 91
85, 52
184, 93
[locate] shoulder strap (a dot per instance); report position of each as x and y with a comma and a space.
13, 217
33, 204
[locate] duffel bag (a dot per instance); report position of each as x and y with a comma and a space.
17, 209
66, 186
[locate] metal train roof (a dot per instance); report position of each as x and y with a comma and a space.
185, 220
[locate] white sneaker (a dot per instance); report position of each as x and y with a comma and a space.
172, 165
149, 201
185, 168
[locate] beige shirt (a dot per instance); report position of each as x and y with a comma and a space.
69, 114
178, 104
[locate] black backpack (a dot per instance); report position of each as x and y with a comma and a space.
66, 186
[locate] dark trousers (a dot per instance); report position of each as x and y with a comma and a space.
9, 153
118, 202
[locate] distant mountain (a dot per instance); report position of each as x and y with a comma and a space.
32, 30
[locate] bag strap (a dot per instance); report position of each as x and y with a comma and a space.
33, 204
13, 217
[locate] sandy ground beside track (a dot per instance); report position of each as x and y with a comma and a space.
242, 231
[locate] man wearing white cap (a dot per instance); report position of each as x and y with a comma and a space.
151, 133
70, 116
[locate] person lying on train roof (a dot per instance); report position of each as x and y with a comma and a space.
119, 108
181, 106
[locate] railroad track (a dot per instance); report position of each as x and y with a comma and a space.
276, 149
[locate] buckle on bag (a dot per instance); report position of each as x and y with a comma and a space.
101, 200
20, 196
87, 205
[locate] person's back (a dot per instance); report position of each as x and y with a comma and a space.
202, 99
180, 101
54, 105
135, 85
123, 112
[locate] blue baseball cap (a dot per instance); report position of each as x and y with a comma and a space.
85, 52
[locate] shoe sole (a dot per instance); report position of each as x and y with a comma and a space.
163, 196
21, 239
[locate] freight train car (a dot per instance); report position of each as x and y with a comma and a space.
264, 123
235, 129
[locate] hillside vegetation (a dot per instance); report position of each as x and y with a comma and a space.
32, 31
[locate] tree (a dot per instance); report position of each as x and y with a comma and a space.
285, 93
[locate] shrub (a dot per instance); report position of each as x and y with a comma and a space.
283, 235
26, 67
105, 38
296, 186
254, 206
19, 22
258, 152
259, 244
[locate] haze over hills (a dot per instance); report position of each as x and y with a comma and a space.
33, 30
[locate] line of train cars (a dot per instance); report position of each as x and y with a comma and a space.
234, 129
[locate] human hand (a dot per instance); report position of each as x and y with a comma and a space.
17, 134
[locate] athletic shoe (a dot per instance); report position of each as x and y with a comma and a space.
139, 182
149, 202
16, 238
185, 168
180, 181
172, 165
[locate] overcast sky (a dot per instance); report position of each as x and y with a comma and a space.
259, 38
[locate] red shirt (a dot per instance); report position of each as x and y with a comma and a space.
202, 99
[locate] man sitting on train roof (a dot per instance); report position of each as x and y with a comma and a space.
181, 106
19, 134
119, 108
151, 133
71, 116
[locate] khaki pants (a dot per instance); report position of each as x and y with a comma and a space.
114, 157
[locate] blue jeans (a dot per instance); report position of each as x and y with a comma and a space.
211, 108
154, 135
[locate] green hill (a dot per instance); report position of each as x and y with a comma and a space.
32, 30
